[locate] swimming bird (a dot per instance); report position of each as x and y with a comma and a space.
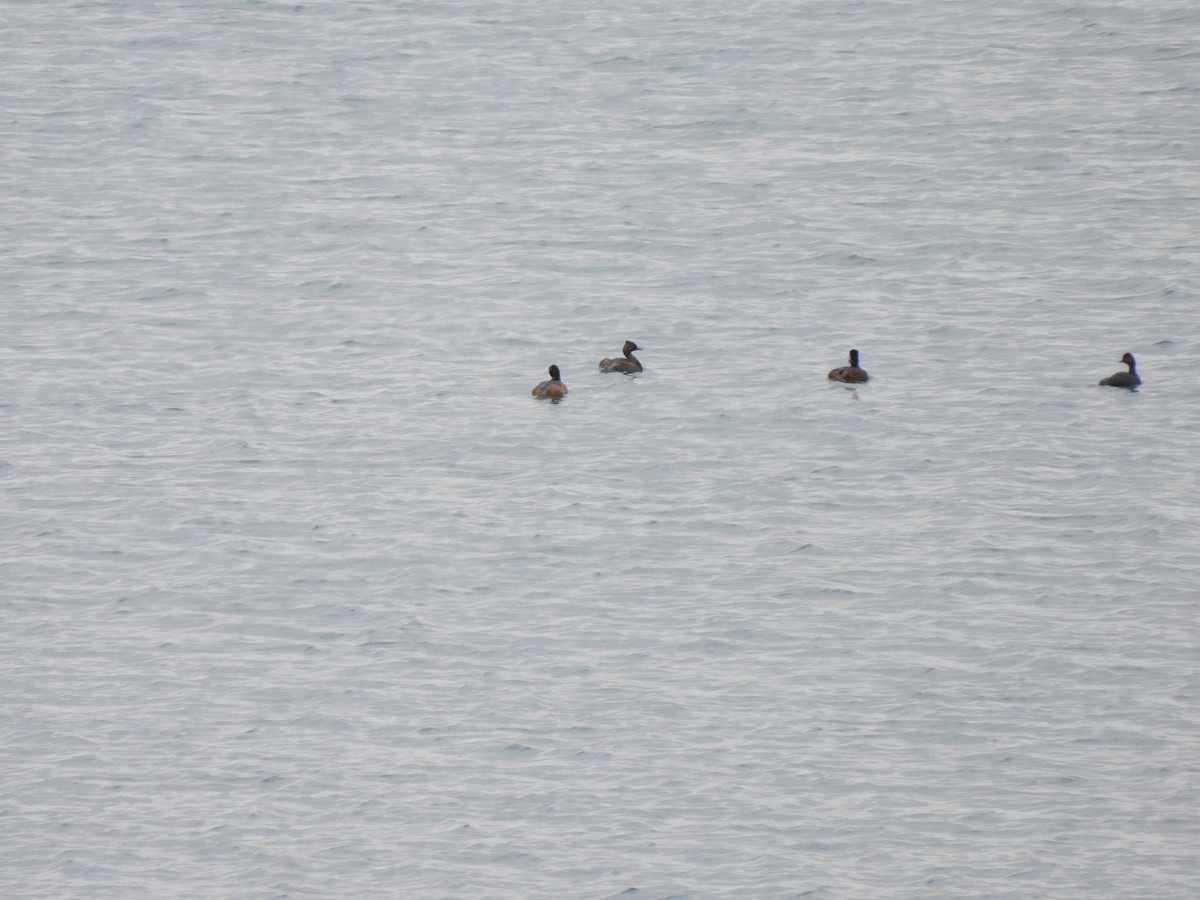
1128, 379
553, 389
852, 373
628, 365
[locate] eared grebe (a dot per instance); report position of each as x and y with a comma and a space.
1128, 379
852, 373
554, 388
628, 364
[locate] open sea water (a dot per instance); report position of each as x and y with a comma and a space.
303, 595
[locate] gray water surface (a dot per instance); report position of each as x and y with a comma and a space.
304, 595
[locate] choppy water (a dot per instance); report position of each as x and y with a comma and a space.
304, 595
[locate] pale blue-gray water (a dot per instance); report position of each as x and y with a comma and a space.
304, 595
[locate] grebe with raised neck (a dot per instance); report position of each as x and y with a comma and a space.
553, 389
629, 364
1129, 379
853, 373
